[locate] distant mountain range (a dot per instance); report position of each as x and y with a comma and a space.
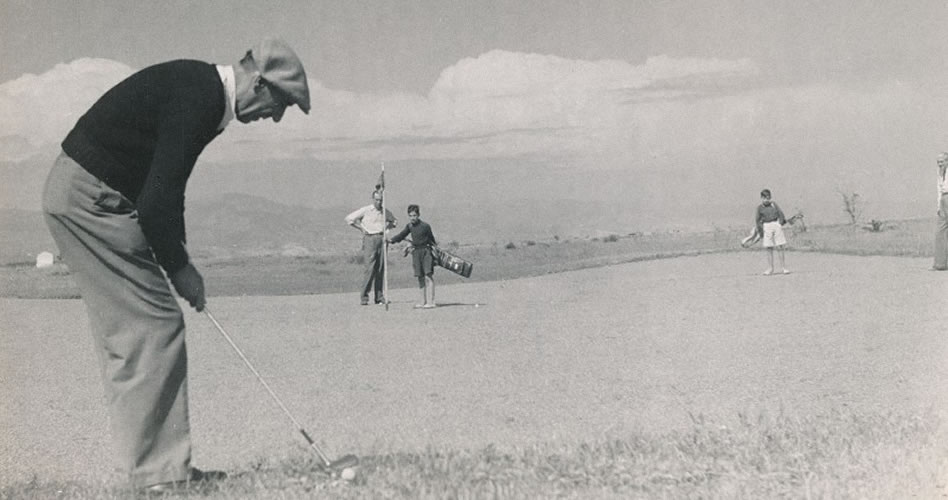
245, 224
298, 206
232, 223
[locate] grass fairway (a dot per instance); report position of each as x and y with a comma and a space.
688, 377
230, 272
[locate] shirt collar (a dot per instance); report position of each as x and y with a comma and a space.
230, 94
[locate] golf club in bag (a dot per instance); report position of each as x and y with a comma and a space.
451, 262
333, 467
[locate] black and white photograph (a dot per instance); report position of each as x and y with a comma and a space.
465, 249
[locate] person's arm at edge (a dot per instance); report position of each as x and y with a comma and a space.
780, 217
759, 221
942, 186
161, 202
355, 219
401, 235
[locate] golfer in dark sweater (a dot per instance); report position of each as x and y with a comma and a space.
422, 239
114, 203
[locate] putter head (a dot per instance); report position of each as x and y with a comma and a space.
336, 467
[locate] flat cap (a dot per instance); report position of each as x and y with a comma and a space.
279, 65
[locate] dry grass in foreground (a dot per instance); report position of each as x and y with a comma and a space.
831, 456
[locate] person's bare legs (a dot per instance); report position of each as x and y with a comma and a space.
941, 236
770, 261
430, 286
424, 294
783, 260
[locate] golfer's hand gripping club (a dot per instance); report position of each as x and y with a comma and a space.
189, 283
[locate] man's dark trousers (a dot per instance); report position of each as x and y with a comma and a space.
372, 247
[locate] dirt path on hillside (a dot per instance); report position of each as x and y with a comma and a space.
569, 357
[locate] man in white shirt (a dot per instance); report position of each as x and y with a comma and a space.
941, 229
370, 221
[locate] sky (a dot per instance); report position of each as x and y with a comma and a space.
728, 96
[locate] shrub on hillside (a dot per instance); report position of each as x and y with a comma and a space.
875, 226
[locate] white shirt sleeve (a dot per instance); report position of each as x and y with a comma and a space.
942, 188
355, 216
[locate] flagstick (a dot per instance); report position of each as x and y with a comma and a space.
384, 243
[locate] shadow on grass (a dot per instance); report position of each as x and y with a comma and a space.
411, 303
461, 304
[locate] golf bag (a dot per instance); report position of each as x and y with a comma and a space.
751, 238
451, 262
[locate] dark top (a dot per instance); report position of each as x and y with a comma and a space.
768, 213
421, 235
142, 138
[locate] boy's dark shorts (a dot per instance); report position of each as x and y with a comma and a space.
422, 261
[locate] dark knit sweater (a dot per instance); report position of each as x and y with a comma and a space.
421, 234
142, 138
769, 213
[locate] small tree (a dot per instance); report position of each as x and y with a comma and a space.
851, 205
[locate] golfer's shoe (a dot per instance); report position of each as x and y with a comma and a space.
200, 482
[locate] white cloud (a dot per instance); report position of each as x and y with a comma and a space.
709, 121
665, 113
36, 111
498, 104
340, 123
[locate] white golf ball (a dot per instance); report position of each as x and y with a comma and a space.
348, 474
477, 305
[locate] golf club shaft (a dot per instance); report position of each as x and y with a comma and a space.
266, 386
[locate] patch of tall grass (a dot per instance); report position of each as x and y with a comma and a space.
839, 456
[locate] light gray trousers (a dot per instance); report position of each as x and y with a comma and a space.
941, 235
136, 323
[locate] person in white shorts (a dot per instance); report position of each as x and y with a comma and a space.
769, 223
941, 229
